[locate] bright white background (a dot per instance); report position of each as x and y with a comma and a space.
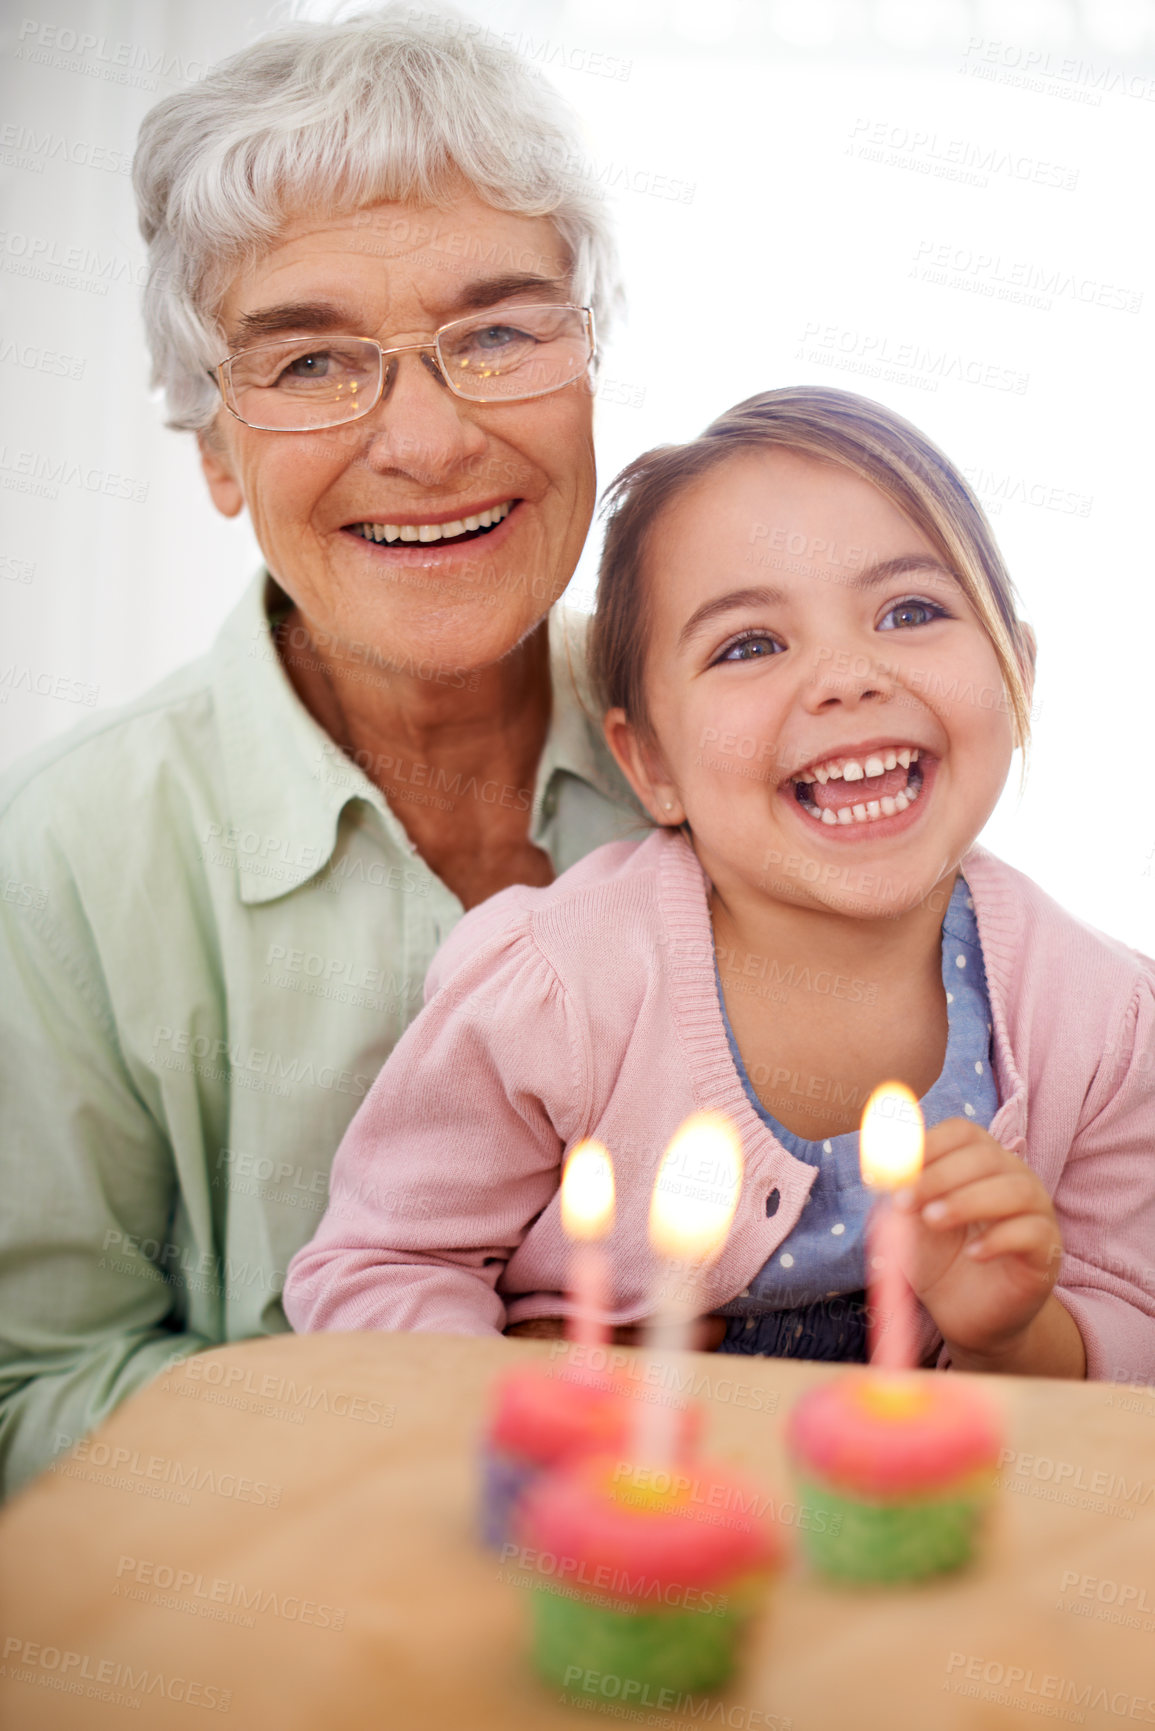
823, 155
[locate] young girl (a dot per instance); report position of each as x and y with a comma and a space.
815, 678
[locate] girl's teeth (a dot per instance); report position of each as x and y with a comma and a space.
857, 769
861, 811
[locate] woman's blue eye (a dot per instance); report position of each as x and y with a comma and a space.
311, 366
498, 336
757, 646
909, 613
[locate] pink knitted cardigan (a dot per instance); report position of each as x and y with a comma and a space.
589, 1008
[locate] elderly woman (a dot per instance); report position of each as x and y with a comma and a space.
372, 297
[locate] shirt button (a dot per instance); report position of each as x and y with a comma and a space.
772, 1202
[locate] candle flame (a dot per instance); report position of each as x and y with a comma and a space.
890, 1146
587, 1192
697, 1189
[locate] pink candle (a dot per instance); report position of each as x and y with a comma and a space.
695, 1195
890, 1154
587, 1214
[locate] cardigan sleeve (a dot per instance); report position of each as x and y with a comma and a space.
456, 1148
1105, 1202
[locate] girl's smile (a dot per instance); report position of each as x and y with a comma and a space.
876, 784
814, 709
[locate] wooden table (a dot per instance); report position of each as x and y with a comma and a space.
280, 1533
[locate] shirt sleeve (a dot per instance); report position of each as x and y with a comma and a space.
1105, 1202
87, 1182
456, 1149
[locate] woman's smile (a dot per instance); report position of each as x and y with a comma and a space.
436, 537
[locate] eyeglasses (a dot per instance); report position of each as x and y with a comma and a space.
304, 383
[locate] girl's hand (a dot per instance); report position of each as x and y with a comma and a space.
987, 1250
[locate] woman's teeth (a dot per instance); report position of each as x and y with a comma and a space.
901, 788
426, 532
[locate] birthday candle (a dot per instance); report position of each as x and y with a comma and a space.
587, 1214
693, 1203
890, 1155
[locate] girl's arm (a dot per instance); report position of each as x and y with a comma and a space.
1105, 1202
1026, 1283
456, 1149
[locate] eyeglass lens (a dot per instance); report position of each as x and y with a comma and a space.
309, 382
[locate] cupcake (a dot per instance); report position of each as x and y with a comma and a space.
896, 1471
644, 1576
540, 1421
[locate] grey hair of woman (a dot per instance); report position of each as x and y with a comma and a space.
382, 107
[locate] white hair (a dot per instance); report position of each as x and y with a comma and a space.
386, 106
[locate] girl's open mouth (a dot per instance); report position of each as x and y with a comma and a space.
846, 790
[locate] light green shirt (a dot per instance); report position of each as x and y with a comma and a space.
213, 930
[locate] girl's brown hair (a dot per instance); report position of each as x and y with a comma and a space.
836, 427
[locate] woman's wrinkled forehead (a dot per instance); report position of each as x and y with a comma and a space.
392, 261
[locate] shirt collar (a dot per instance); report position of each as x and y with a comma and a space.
288, 782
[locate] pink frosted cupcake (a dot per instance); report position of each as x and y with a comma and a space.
540, 1421
897, 1471
645, 1575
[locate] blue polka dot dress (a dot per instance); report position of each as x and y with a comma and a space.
809, 1301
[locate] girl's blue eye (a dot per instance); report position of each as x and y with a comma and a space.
911, 612
755, 646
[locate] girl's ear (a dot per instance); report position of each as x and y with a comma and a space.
641, 764
1032, 649
1029, 664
